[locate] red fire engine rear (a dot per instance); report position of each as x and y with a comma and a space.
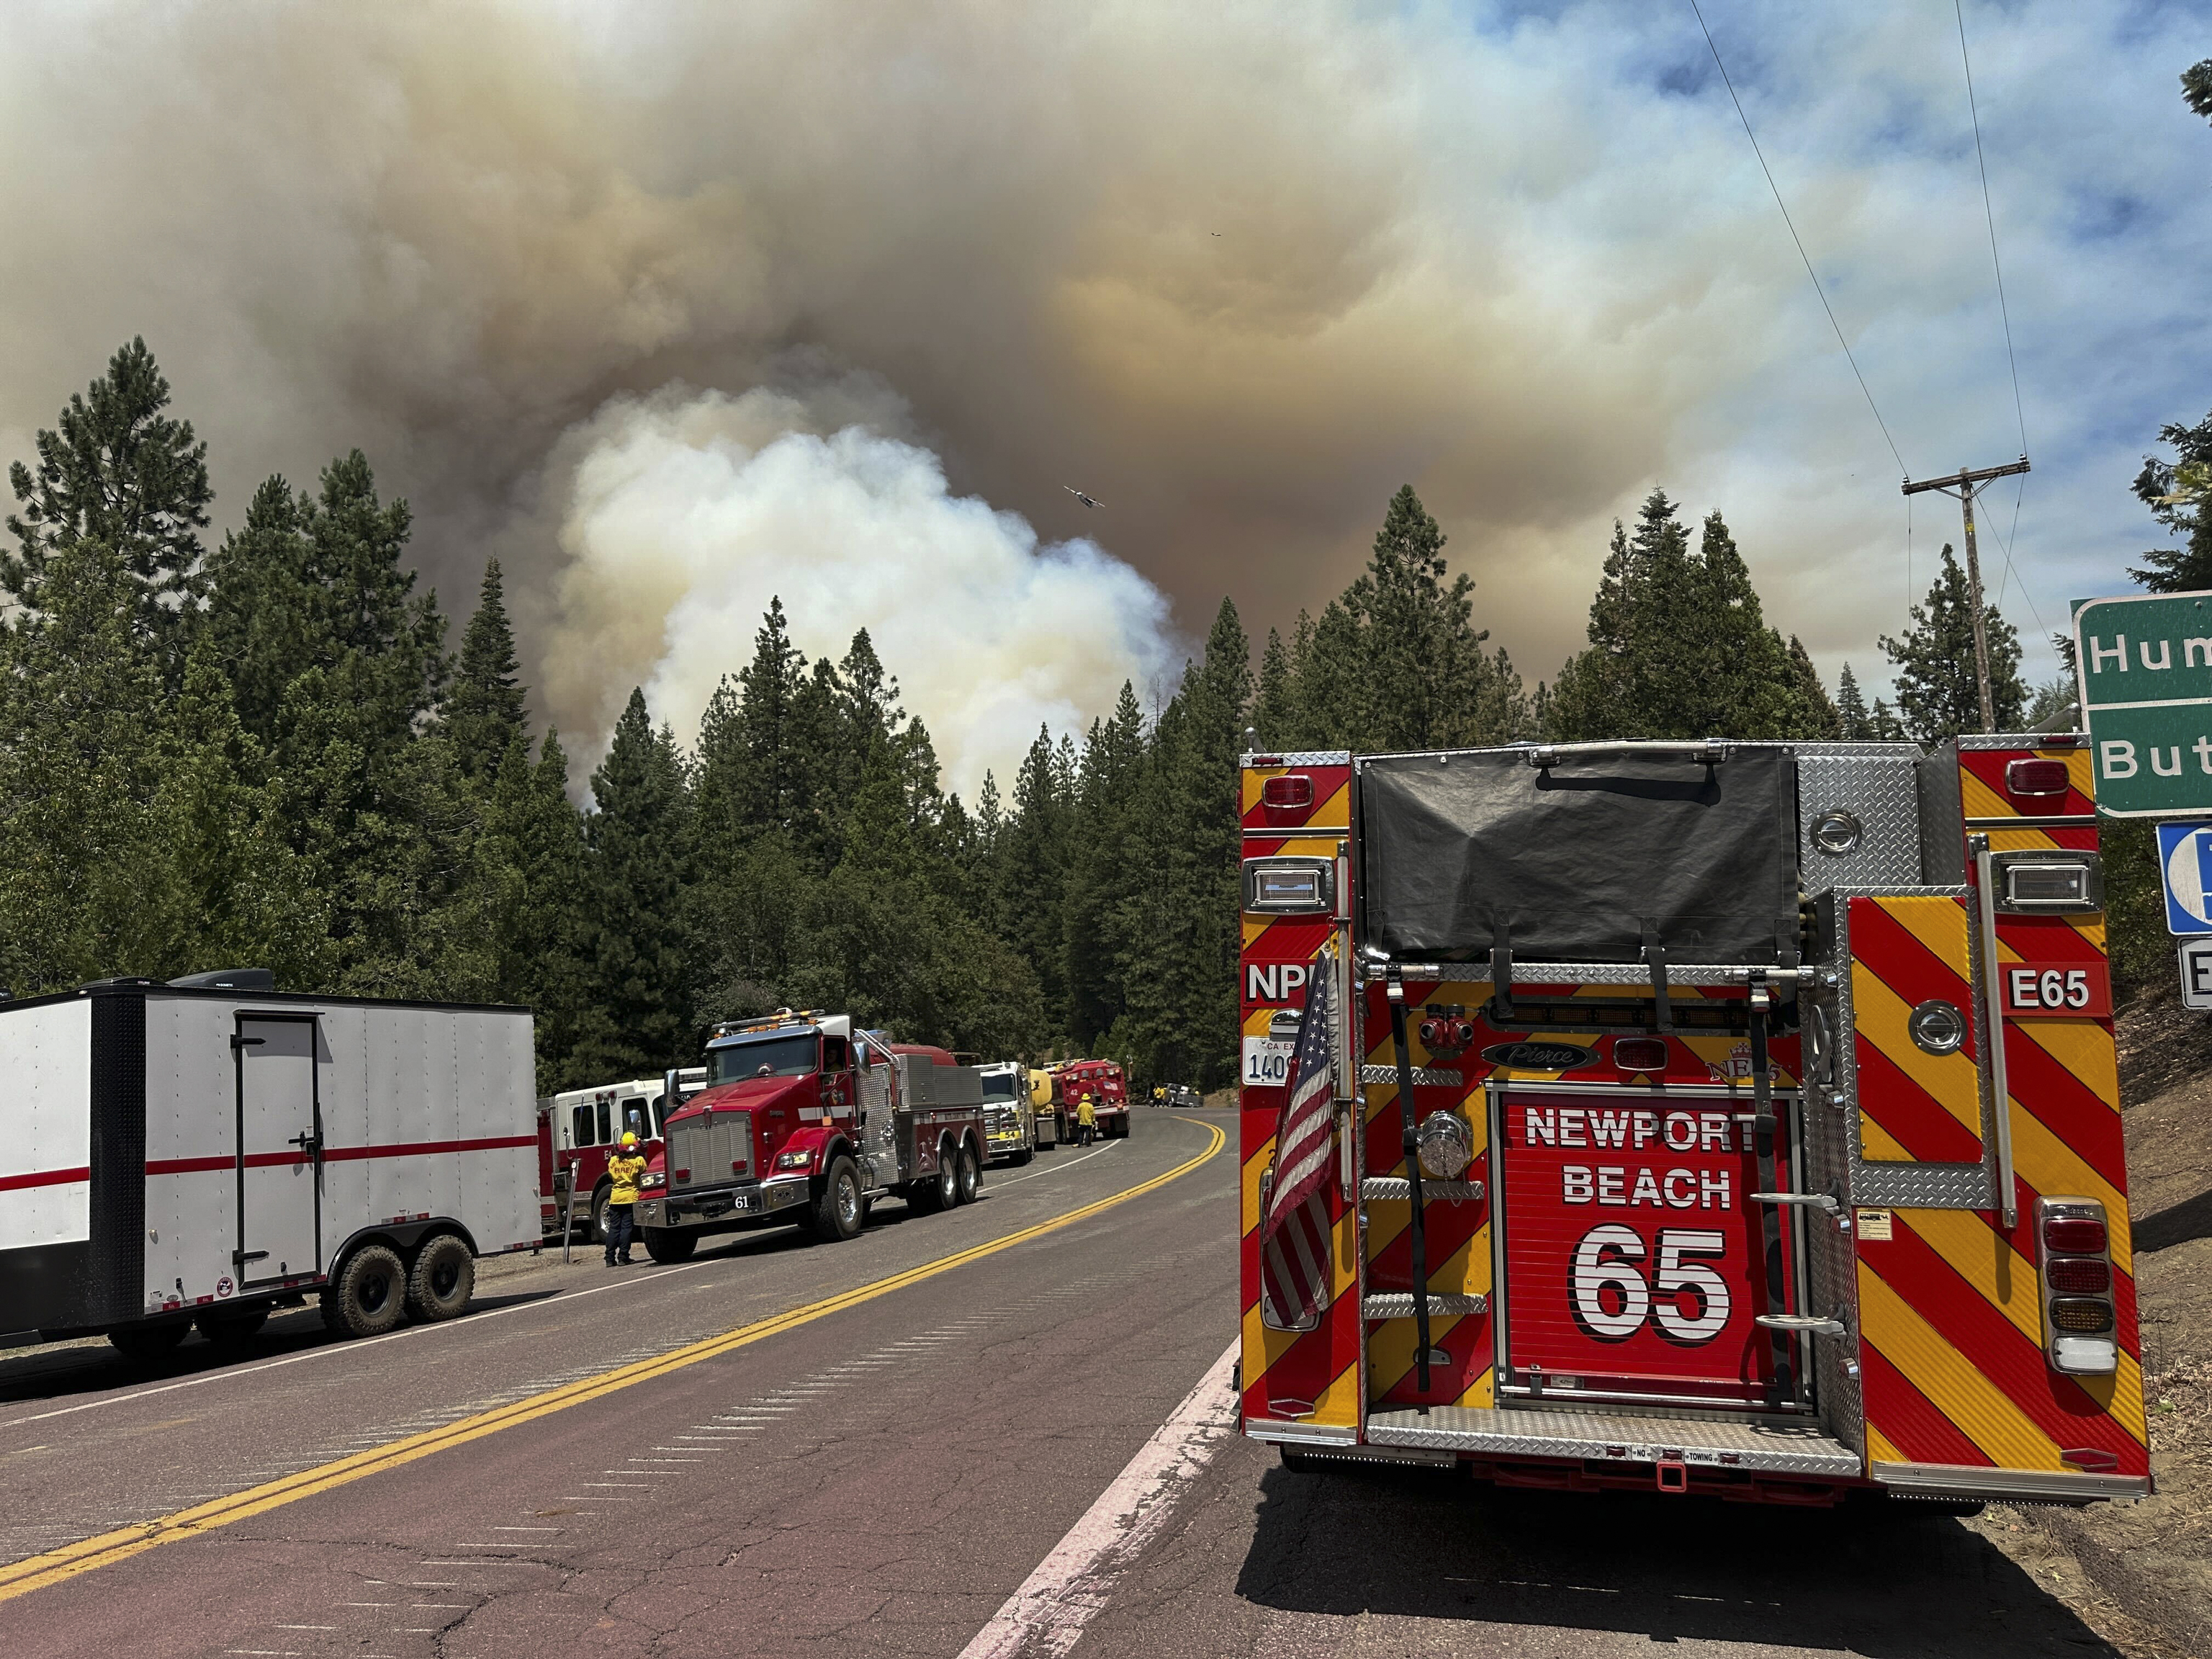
1727, 1116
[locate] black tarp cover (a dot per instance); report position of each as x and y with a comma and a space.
1575, 857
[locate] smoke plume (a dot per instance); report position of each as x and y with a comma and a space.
675, 306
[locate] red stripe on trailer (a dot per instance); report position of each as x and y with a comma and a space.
335, 1155
44, 1178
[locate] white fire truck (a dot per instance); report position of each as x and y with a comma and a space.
806, 1118
206, 1151
1009, 1120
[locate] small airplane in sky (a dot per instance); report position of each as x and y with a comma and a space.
1087, 499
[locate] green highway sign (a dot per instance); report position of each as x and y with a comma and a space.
2145, 669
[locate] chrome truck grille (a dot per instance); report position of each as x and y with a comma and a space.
709, 1151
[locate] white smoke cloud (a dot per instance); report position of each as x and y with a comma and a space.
682, 514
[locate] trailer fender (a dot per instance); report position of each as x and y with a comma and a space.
405, 1238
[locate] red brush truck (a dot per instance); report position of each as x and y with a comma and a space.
806, 1118
577, 1130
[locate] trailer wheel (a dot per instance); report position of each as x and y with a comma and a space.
839, 1212
667, 1245
368, 1295
442, 1281
233, 1329
967, 1176
149, 1341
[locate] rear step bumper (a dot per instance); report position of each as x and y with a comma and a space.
1616, 1438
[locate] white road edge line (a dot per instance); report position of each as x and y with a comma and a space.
1055, 1604
993, 1186
561, 1295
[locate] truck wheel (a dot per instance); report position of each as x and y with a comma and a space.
669, 1244
443, 1279
597, 1234
968, 1177
839, 1211
149, 1341
368, 1295
233, 1329
1021, 1158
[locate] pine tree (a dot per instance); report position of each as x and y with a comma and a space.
1816, 715
118, 472
486, 712
1937, 693
1274, 708
2176, 493
78, 764
640, 842
1853, 724
1679, 646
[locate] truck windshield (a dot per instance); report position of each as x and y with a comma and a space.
774, 1056
998, 1088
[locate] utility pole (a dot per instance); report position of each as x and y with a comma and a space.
1963, 488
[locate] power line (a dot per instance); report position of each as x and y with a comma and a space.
2004, 311
1793, 237
1990, 215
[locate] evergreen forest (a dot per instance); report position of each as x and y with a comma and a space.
271, 751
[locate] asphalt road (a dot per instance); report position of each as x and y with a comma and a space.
882, 1476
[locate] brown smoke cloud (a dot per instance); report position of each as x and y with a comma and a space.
1238, 271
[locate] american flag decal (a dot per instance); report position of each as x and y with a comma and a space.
1294, 1235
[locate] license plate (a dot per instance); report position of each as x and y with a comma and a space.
1267, 1062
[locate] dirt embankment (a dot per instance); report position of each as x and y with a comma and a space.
2141, 1574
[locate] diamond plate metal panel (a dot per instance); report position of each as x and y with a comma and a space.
1880, 789
1907, 1186
1432, 1192
1399, 1304
1619, 1438
1424, 1075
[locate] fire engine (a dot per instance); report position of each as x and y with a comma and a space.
1009, 1120
1725, 1117
1103, 1081
805, 1118
580, 1128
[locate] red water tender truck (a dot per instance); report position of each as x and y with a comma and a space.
1739, 1118
806, 1118
1108, 1089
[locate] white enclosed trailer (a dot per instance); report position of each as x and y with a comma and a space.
174, 1153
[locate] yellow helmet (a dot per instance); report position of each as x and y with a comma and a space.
629, 1138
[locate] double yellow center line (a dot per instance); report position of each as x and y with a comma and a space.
37, 1572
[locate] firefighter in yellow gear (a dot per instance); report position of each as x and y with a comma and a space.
1086, 1121
626, 1169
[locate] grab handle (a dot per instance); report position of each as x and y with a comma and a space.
1993, 1019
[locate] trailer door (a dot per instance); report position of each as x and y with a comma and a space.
280, 1149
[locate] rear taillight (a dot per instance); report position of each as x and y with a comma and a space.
2078, 1275
1640, 1053
683, 1175
2036, 779
737, 1166
2081, 1313
1292, 790
2079, 1319
2074, 1235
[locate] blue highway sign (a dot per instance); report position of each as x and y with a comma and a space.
2185, 865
